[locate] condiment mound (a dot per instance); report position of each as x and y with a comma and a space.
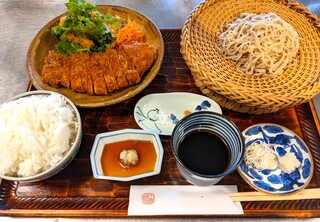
160, 112
286, 178
106, 155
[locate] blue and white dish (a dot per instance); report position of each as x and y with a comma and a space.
282, 141
160, 112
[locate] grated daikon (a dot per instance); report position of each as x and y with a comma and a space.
260, 156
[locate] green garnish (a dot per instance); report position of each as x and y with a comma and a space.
85, 29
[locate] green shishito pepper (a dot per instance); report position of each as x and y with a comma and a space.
84, 29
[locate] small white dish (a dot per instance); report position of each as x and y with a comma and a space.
282, 141
160, 112
121, 135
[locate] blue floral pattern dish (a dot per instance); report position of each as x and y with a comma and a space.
282, 140
160, 112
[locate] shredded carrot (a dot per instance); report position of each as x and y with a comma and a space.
62, 20
72, 37
130, 33
87, 43
112, 28
93, 15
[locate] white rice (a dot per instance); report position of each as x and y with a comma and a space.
35, 134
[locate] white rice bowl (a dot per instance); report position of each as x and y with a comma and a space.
40, 133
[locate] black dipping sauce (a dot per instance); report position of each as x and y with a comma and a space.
204, 152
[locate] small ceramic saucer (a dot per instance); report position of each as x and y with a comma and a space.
281, 141
160, 112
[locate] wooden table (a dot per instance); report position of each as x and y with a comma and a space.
75, 193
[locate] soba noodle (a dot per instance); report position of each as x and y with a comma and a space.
260, 44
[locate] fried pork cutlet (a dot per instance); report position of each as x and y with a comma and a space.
99, 73
65, 78
81, 79
99, 84
142, 55
116, 68
53, 69
128, 68
108, 73
75, 72
86, 77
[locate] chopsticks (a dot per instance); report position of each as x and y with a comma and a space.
313, 193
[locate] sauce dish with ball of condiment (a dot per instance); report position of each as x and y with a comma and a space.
126, 155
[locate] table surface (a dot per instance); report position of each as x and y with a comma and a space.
21, 20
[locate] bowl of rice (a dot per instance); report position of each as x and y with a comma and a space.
40, 134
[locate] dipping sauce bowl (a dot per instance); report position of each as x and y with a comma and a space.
207, 146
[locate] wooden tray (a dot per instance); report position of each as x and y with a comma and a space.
75, 193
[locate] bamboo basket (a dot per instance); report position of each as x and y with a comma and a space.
219, 79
